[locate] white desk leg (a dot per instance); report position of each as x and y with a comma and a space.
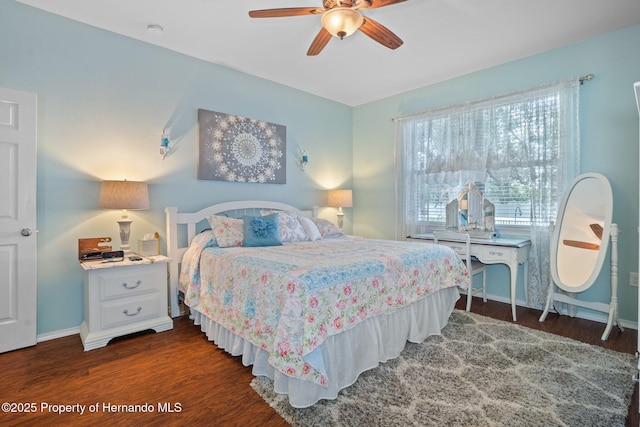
514, 279
525, 282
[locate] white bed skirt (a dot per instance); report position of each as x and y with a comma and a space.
348, 354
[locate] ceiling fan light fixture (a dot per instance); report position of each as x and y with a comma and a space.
341, 22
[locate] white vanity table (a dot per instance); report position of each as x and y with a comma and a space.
495, 250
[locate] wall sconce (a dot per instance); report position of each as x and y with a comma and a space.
340, 199
164, 143
304, 160
124, 195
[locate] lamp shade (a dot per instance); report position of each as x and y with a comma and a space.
124, 195
340, 199
341, 21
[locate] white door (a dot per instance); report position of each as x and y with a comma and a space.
18, 305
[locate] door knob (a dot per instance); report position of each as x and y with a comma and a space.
26, 232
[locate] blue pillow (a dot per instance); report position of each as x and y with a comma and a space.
262, 231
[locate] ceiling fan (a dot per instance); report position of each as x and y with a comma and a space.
340, 18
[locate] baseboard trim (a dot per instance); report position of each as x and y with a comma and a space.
58, 334
593, 316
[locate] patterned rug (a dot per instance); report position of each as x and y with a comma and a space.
480, 372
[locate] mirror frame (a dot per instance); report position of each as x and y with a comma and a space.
607, 200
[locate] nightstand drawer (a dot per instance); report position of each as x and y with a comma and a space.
131, 310
117, 283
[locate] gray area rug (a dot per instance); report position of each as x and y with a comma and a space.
480, 372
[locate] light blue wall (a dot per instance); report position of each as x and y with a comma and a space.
103, 101
609, 140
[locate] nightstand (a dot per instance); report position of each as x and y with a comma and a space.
123, 297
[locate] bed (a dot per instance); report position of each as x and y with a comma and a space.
310, 313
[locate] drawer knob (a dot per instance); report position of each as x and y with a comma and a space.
126, 312
126, 285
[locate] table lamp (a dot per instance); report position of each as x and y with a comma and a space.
124, 195
340, 199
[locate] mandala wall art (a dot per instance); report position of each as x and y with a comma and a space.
234, 148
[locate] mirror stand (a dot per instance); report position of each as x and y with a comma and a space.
579, 246
611, 307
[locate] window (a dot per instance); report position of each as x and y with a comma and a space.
520, 149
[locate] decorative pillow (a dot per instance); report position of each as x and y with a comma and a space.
262, 231
290, 228
228, 231
310, 228
327, 228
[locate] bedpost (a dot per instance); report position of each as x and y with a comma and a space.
172, 252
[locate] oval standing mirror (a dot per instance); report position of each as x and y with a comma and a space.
581, 237
580, 241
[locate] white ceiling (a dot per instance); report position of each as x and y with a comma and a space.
442, 38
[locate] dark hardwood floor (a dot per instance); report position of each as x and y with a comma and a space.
185, 379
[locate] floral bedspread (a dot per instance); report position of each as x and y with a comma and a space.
289, 299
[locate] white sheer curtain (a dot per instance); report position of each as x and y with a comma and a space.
525, 142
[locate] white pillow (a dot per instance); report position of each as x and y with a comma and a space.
327, 228
310, 228
290, 228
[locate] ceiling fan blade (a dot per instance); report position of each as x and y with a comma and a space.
597, 230
286, 11
380, 33
379, 3
319, 42
582, 245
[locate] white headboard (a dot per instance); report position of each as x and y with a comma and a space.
176, 245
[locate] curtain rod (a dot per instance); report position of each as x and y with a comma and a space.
580, 79
586, 78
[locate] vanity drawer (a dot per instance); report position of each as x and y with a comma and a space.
485, 253
130, 310
491, 254
460, 248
